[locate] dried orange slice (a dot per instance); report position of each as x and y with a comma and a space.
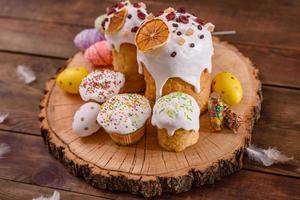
151, 35
117, 21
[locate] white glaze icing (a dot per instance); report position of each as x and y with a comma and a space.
84, 121
188, 63
125, 34
124, 113
100, 85
175, 111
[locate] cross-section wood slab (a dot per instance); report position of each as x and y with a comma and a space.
145, 168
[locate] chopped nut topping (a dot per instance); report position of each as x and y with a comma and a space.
180, 41
150, 16
189, 32
169, 10
210, 27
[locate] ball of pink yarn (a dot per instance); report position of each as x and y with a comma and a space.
99, 54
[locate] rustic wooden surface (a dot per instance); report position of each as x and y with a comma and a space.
40, 35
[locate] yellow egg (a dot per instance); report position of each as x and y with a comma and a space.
229, 88
70, 79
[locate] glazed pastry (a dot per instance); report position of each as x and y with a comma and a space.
174, 53
124, 116
100, 85
84, 121
176, 116
120, 27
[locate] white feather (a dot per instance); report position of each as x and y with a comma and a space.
3, 116
4, 149
55, 196
25, 74
266, 157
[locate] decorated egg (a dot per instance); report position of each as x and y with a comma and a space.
85, 119
98, 22
70, 79
228, 87
99, 54
88, 37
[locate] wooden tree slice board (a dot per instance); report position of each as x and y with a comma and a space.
146, 168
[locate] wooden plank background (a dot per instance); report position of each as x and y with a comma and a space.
40, 35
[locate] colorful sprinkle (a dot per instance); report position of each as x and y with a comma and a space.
221, 115
100, 85
125, 113
176, 110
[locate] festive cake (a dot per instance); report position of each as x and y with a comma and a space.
174, 52
124, 116
143, 88
176, 116
120, 26
168, 56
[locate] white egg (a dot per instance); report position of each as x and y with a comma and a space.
85, 119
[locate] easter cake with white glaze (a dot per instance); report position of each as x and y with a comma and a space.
167, 58
120, 26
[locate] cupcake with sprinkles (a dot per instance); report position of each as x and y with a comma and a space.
120, 26
124, 116
176, 116
174, 54
100, 85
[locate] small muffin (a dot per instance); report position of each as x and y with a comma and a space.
123, 117
176, 116
100, 85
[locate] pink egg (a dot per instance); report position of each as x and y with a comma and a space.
99, 54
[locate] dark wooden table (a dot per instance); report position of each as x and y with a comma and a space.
40, 33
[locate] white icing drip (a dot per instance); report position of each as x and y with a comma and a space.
188, 64
125, 35
124, 113
176, 111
